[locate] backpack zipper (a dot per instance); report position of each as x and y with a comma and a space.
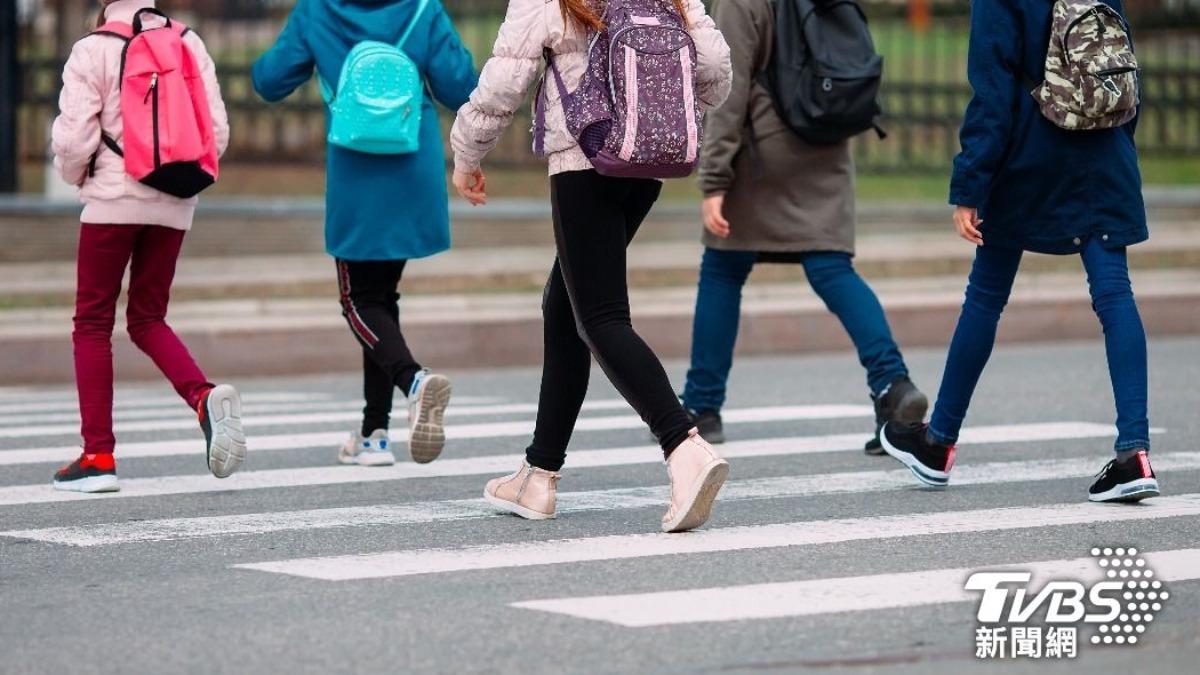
1107, 81
153, 93
153, 86
1098, 14
612, 46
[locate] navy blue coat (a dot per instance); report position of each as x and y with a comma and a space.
1038, 187
377, 207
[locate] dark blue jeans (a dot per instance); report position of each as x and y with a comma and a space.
1112, 298
718, 306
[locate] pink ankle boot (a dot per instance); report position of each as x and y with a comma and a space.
697, 473
530, 492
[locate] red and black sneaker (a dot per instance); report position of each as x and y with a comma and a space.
220, 411
89, 473
1129, 481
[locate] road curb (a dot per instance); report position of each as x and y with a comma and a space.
232, 353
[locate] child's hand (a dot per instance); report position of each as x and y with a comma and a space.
714, 220
471, 186
967, 222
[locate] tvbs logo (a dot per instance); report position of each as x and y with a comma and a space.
1120, 607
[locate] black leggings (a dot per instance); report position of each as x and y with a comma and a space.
370, 303
586, 310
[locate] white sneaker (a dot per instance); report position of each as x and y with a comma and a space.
220, 413
374, 450
426, 408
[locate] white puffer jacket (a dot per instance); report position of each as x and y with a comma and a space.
529, 27
91, 101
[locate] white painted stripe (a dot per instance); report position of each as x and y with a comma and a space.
167, 529
30, 394
806, 533
178, 410
499, 464
32, 400
150, 401
177, 417
168, 448
844, 594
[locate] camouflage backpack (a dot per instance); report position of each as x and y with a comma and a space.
1091, 73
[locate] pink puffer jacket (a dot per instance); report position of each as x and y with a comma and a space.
91, 101
530, 26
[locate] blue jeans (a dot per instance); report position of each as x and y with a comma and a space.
1112, 298
718, 306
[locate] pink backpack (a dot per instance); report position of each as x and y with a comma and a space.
168, 137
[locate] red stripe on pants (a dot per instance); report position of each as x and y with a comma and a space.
359, 327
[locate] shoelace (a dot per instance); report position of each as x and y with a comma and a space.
1107, 467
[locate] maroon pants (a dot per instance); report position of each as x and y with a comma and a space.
150, 251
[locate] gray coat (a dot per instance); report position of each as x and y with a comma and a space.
793, 197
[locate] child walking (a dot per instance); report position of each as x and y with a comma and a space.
1040, 172
385, 204
586, 302
772, 197
128, 224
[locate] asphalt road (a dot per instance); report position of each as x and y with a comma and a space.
404, 569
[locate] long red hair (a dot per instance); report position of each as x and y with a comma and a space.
584, 15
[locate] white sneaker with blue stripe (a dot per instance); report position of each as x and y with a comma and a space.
373, 450
427, 401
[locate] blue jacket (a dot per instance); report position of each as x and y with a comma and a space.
1038, 187
378, 207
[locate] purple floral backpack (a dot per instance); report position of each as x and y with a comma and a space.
635, 113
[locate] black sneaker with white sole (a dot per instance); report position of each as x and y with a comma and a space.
220, 413
1129, 481
901, 402
910, 445
710, 425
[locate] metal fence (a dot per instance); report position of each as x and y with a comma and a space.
924, 92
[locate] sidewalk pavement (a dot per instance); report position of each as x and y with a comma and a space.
479, 304
35, 229
233, 338
524, 268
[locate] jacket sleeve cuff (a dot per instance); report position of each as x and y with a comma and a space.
714, 184
964, 194
463, 164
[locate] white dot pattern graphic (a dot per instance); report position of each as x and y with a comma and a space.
1142, 598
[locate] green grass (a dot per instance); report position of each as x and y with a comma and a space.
1171, 171
309, 179
934, 187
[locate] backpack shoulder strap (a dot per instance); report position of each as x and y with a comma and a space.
413, 22
111, 144
540, 102
139, 26
116, 29
327, 91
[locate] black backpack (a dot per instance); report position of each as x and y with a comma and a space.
824, 72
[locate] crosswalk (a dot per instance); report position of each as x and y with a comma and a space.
36, 432
829, 596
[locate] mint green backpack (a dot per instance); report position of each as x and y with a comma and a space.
377, 106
